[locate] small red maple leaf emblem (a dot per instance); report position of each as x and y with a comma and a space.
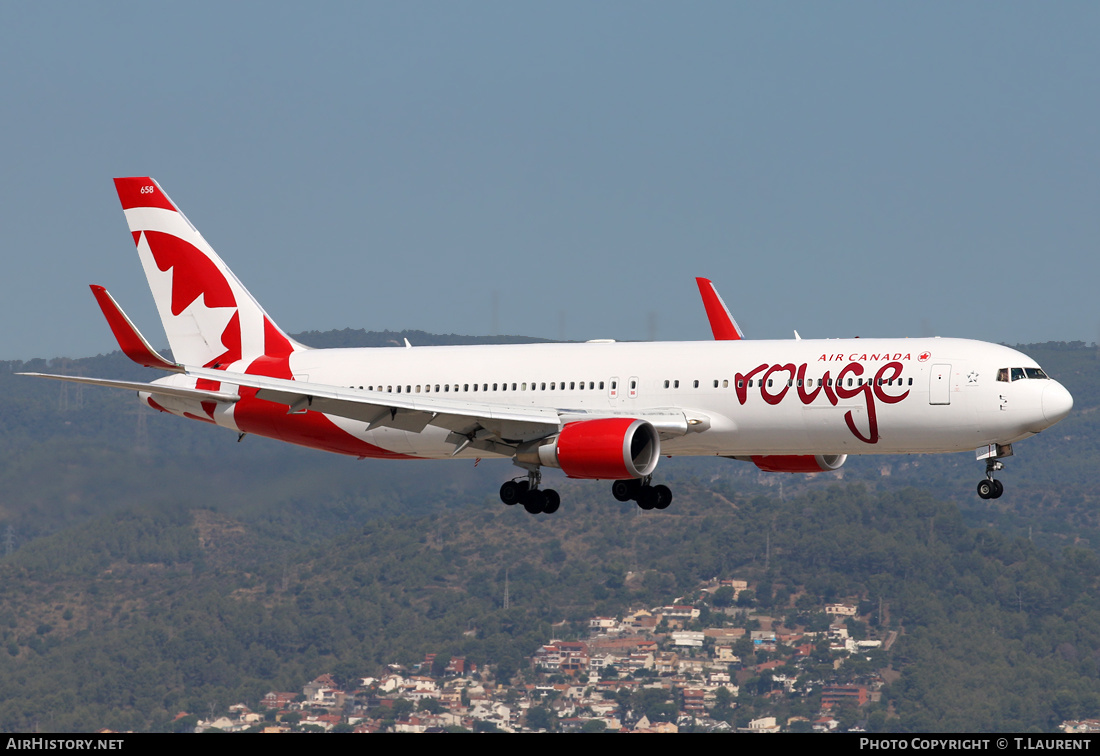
923, 356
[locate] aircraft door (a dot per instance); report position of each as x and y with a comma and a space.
939, 385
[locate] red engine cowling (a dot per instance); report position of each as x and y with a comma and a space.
615, 448
799, 463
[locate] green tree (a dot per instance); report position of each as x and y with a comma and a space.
541, 718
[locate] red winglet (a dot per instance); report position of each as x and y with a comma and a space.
142, 191
722, 324
132, 343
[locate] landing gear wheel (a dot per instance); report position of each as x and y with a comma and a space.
625, 490
998, 489
647, 498
986, 489
511, 492
553, 501
534, 501
664, 496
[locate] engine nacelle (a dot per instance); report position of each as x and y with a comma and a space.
799, 463
614, 448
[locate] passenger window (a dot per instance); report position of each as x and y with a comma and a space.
571, 385
666, 384
675, 384
695, 384
725, 384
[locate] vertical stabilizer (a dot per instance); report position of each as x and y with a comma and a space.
209, 317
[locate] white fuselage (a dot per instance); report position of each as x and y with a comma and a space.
833, 396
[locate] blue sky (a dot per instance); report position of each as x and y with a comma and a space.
841, 169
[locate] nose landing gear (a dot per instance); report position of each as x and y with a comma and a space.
990, 488
992, 454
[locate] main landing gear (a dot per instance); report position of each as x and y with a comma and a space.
991, 488
546, 501
648, 497
528, 493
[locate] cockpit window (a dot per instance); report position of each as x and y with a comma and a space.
1021, 373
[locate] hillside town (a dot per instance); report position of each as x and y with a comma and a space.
706, 662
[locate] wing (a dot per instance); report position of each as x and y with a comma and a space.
482, 425
486, 426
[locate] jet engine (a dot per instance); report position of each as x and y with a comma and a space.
799, 463
614, 448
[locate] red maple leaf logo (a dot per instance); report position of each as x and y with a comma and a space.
923, 356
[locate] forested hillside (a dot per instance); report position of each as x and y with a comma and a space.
159, 566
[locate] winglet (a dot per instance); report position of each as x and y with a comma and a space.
722, 324
132, 343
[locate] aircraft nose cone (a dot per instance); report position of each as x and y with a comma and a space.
1057, 402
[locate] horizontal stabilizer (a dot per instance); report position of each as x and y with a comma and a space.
156, 389
129, 339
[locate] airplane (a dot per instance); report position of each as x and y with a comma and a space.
601, 410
